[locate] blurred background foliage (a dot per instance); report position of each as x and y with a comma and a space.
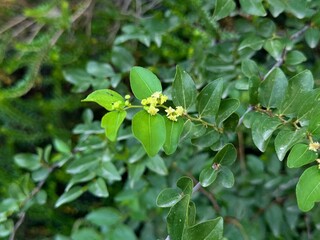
53, 53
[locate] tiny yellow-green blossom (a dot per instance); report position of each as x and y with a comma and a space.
127, 97
152, 101
179, 111
116, 105
144, 102
163, 99
314, 146
153, 110
170, 111
156, 95
127, 103
173, 117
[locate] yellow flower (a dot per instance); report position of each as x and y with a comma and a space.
163, 99
179, 111
144, 102
170, 111
156, 95
116, 105
152, 101
127, 97
173, 117
314, 146
153, 110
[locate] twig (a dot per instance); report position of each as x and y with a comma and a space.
250, 108
12, 23
32, 194
285, 51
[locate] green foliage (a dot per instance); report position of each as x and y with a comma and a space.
218, 98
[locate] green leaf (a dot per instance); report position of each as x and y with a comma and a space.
121, 232
79, 78
297, 7
144, 83
295, 57
209, 98
274, 47
173, 133
286, 139
105, 216
168, 197
226, 108
298, 85
253, 7
186, 185
312, 37
273, 89
225, 177
157, 165
111, 122
85, 234
308, 188
99, 188
105, 98
210, 137
135, 172
276, 7
226, 156
207, 176
28, 161
81, 177
211, 229
274, 217
223, 8
109, 172
61, 146
69, 196
100, 70
178, 218
184, 91
122, 58
262, 129
254, 42
300, 155
191, 213
249, 68
82, 164
254, 84
150, 131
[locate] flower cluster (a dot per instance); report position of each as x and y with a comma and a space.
172, 114
150, 104
314, 146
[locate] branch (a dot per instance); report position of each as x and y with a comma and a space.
284, 51
37, 189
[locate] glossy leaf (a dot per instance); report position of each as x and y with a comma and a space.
186, 185
254, 42
105, 98
223, 8
298, 85
104, 216
276, 7
211, 229
226, 156
254, 83
69, 196
273, 89
82, 164
177, 218
209, 98
28, 161
295, 57
150, 131
253, 7
300, 155
99, 188
144, 83
81, 177
173, 133
184, 91
225, 177
206, 140
274, 47
286, 139
168, 197
274, 217
111, 122
226, 108
101, 70
207, 176
249, 68
308, 189
108, 171
157, 165
312, 37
